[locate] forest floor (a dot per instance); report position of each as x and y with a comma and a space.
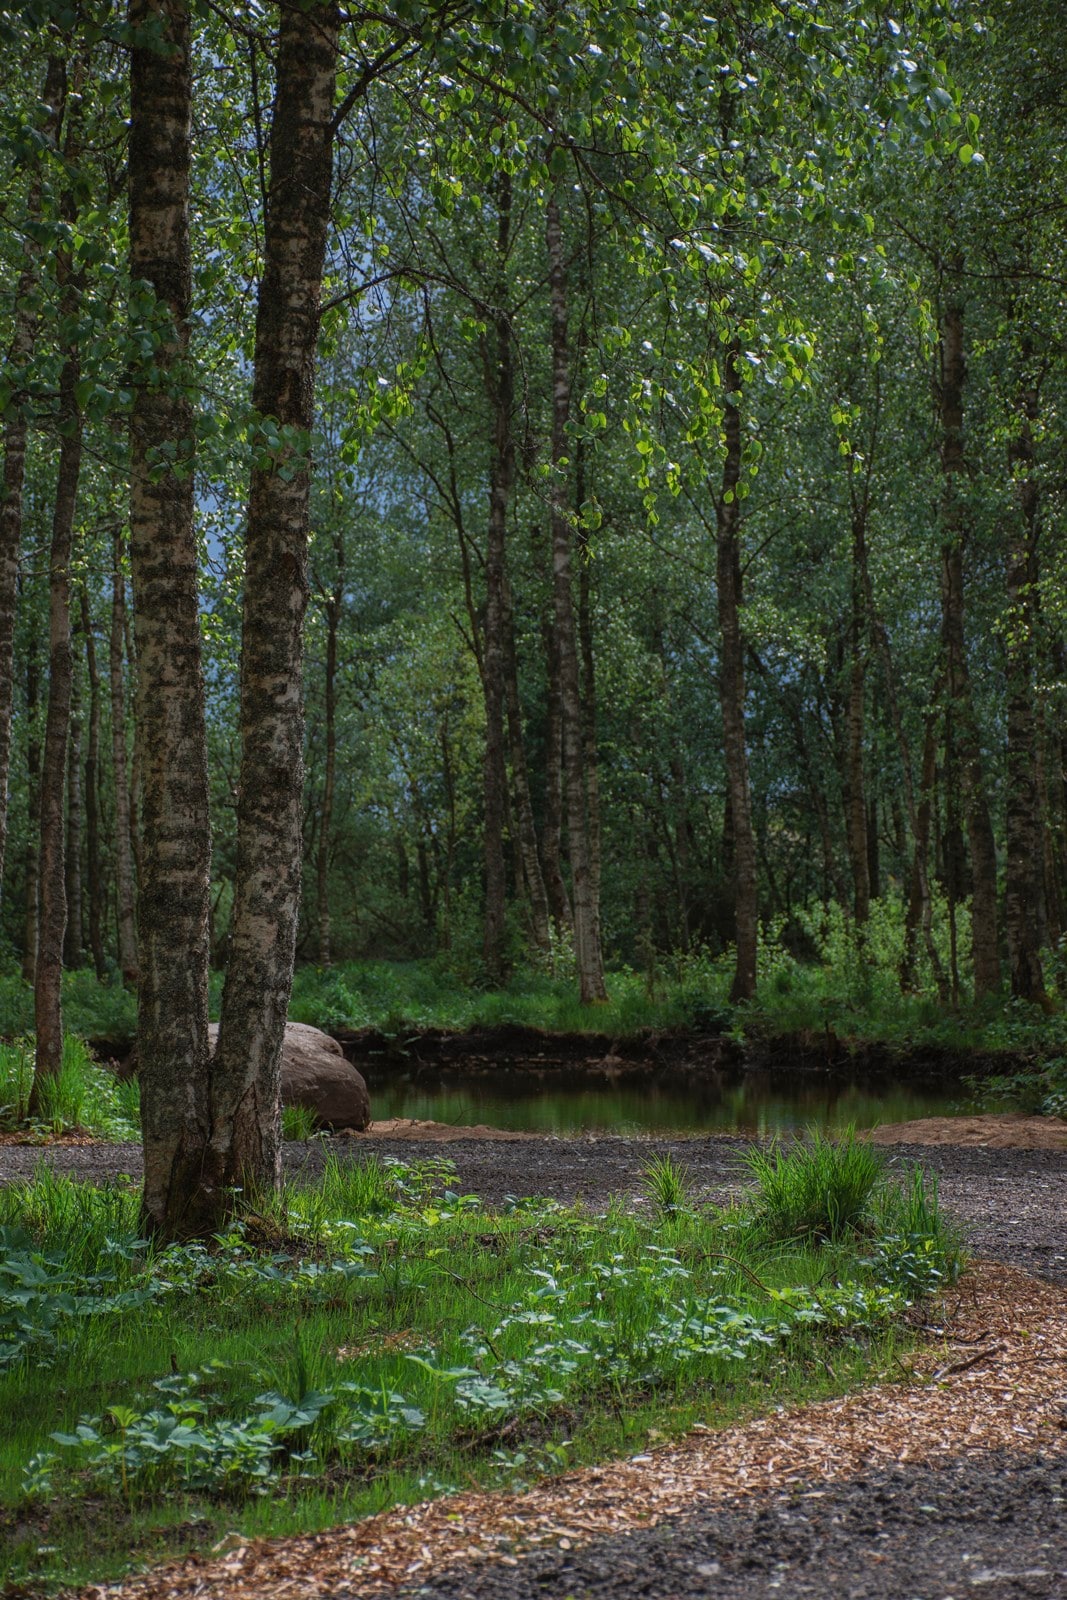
951, 1482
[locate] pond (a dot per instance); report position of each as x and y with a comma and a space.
759, 1102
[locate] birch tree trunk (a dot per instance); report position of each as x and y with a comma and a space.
533, 876
246, 1077
51, 886
93, 873
732, 690
587, 949
33, 809
856, 818
1024, 895
179, 1198
322, 884
16, 431
124, 885
976, 809
73, 945
500, 383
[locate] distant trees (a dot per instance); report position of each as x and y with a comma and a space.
680, 493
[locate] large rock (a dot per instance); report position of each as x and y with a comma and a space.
314, 1074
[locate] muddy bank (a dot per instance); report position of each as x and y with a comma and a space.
531, 1056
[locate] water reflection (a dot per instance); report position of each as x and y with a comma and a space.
755, 1103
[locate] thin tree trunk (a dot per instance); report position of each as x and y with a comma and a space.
136, 790
16, 430
533, 876
73, 945
246, 1079
590, 754
51, 887
179, 1196
732, 690
552, 826
33, 808
587, 949
919, 916
976, 809
333, 618
93, 874
855, 788
500, 383
124, 884
1024, 897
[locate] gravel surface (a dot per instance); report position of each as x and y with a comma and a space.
1011, 1203
983, 1523
990, 1525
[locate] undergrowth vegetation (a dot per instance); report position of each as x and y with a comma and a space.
377, 1337
817, 978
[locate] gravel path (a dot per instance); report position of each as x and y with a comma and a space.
981, 1523
1011, 1203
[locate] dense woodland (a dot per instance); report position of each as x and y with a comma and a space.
643, 425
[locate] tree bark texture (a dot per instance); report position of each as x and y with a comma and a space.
855, 788
533, 877
500, 384
322, 865
246, 1076
976, 808
124, 882
1024, 894
33, 808
73, 946
552, 824
587, 949
93, 873
16, 432
179, 1197
732, 690
51, 881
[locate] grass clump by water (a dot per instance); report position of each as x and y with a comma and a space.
376, 1336
816, 1189
84, 1097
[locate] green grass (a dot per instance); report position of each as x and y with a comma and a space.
816, 1189
375, 1338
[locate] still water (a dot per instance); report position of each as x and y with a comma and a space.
757, 1103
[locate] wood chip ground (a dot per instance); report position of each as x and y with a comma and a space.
991, 1375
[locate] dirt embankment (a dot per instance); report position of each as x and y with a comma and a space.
678, 1055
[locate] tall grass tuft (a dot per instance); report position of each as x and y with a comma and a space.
815, 1189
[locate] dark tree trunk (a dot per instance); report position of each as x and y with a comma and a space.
855, 786
590, 754
124, 885
552, 826
919, 917
15, 430
533, 876
500, 383
333, 621
976, 809
51, 886
73, 944
732, 690
93, 873
587, 949
1024, 898
246, 1077
33, 808
179, 1197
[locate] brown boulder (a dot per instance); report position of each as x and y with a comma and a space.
314, 1074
